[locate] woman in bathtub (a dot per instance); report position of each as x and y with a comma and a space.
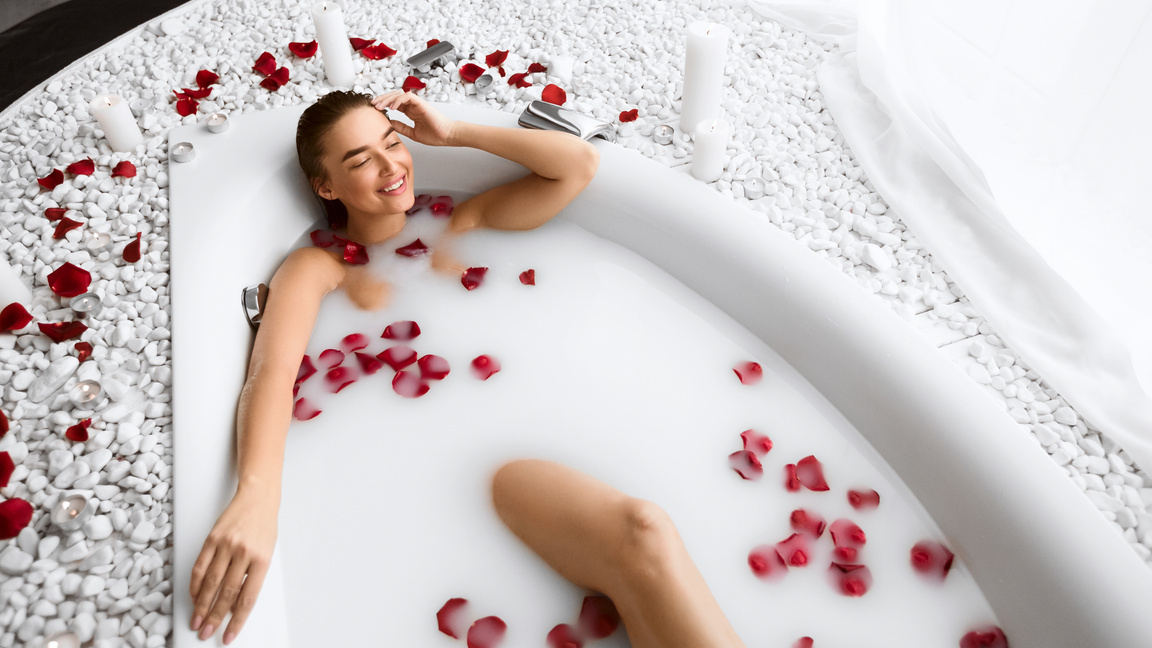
592, 534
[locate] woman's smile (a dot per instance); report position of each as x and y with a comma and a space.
397, 186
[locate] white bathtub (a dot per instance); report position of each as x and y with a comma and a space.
1055, 573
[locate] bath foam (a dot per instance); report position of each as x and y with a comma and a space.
610, 366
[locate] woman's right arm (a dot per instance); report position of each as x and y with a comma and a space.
241, 542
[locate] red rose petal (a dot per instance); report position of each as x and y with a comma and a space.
205, 78
847, 554
270, 84
554, 94
451, 619
421, 200
61, 331
64, 226
487, 632
52, 179
931, 559
331, 358
409, 385
987, 637
518, 80
473, 277
749, 373
15, 514
791, 483
69, 280
412, 83
746, 464
303, 410
353, 342
355, 253
528, 277
79, 432
863, 499
131, 252
484, 366
322, 238
303, 50
766, 563
401, 331
564, 636
415, 248
810, 472
851, 580
433, 367
377, 52
369, 364
756, 442
3, 424
808, 522
199, 93
265, 64
7, 466
496, 59
629, 115
536, 67
180, 94
846, 533
306, 369
186, 107
124, 169
803, 642
397, 357
598, 617
280, 76
360, 43
338, 378
54, 214
794, 550
442, 206
81, 167
469, 72
83, 350
14, 317
432, 42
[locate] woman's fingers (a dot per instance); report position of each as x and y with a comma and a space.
209, 586
257, 569
200, 568
229, 590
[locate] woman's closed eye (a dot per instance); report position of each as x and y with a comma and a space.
365, 160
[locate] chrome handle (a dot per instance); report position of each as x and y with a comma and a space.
253, 299
548, 116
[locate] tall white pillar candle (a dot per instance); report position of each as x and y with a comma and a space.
117, 122
703, 73
12, 288
335, 50
709, 149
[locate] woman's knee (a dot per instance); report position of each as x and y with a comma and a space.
650, 538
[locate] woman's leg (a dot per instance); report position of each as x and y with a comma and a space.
624, 547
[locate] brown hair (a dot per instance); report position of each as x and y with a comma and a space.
315, 122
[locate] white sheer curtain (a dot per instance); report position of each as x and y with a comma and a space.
1013, 138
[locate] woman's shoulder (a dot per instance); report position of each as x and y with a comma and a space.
316, 264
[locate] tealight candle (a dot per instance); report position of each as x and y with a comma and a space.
72, 512
484, 84
663, 133
217, 122
711, 138
99, 242
85, 393
753, 188
61, 640
703, 73
138, 106
117, 122
85, 305
182, 152
335, 48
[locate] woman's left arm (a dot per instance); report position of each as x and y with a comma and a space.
550, 154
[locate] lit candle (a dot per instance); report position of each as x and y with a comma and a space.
72, 512
182, 152
85, 305
703, 73
217, 122
138, 106
61, 640
711, 138
117, 122
753, 188
335, 49
85, 393
98, 242
662, 134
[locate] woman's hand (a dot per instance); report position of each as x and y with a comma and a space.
240, 543
430, 126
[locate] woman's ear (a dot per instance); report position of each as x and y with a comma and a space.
322, 189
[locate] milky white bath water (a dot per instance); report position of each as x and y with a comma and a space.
611, 366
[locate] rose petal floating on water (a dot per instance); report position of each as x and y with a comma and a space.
791, 483
7, 467
398, 356
746, 464
54, 214
433, 367
931, 559
303, 50
355, 253
803, 642
124, 169
131, 252
369, 364
851, 580
846, 533
306, 369
451, 617
185, 107
377, 52
64, 226
484, 366
304, 410
810, 472
528, 277
360, 43
295, 390
409, 385
766, 563
563, 636
473, 277
629, 115
863, 499
412, 83
331, 357
52, 179
756, 442
338, 378
415, 248
14, 317
487, 632
423, 199
322, 237
265, 63
987, 637
401, 331
81, 167
554, 94
79, 432
794, 550
61, 331
15, 514
846, 554
598, 617
353, 342
442, 206
469, 72
749, 373
808, 522
205, 78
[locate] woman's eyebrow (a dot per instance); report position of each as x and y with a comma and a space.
361, 149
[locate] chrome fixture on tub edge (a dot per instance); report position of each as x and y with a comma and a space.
548, 116
253, 299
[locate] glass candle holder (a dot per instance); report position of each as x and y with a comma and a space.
61, 640
663, 133
71, 512
99, 242
85, 393
85, 305
182, 152
138, 106
217, 122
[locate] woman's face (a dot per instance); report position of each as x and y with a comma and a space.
364, 156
